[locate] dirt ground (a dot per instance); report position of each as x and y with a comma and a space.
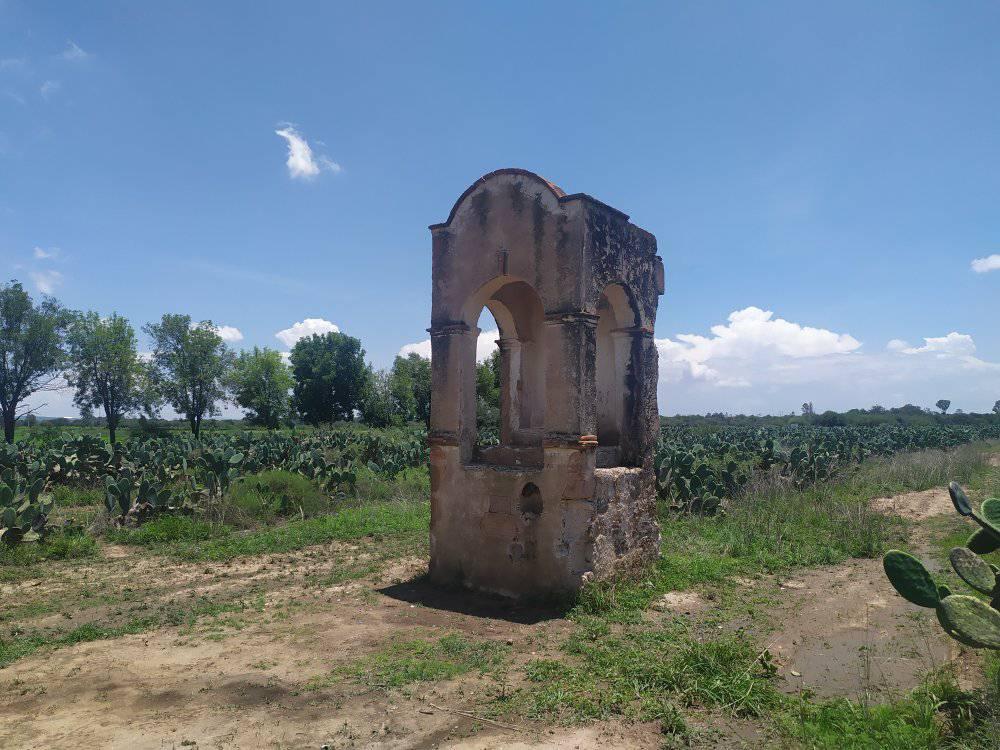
244, 679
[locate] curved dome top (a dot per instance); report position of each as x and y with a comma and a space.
557, 191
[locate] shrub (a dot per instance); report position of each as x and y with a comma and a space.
261, 498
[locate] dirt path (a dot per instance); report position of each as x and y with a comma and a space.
243, 679
847, 633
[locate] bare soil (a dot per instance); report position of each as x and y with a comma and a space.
246, 679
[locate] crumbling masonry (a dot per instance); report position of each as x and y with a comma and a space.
569, 493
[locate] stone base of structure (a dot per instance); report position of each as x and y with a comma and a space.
529, 532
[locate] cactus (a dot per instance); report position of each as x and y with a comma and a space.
23, 512
967, 619
150, 498
973, 570
910, 578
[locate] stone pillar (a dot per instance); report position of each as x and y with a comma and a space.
570, 377
453, 383
510, 408
641, 426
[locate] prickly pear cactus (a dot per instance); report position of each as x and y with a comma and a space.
23, 512
967, 619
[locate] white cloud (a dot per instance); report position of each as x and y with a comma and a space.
423, 348
987, 264
758, 364
12, 63
229, 334
486, 344
301, 162
953, 345
41, 253
751, 334
46, 281
74, 53
304, 328
49, 88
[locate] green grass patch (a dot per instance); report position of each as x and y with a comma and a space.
67, 496
379, 522
167, 529
57, 545
400, 664
19, 643
936, 715
644, 673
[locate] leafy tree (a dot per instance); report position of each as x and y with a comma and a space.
105, 369
943, 404
379, 406
261, 382
31, 350
330, 376
488, 399
190, 365
807, 409
411, 387
996, 407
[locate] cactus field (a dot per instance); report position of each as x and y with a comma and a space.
265, 589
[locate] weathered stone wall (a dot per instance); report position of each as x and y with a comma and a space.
534, 515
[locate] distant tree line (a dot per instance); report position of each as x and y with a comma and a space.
45, 347
908, 414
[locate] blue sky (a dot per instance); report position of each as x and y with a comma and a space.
835, 167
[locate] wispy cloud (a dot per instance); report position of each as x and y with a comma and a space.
302, 163
46, 281
304, 328
268, 279
987, 264
12, 63
41, 253
74, 53
49, 88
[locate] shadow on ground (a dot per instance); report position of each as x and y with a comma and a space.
419, 590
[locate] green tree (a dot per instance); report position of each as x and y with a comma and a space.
190, 366
330, 376
261, 382
105, 369
411, 387
31, 350
996, 407
379, 406
488, 399
944, 404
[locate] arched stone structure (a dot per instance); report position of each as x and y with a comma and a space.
573, 286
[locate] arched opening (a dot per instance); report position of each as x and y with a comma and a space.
510, 381
531, 505
489, 381
615, 323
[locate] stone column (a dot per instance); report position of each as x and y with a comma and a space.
641, 427
510, 375
453, 386
570, 377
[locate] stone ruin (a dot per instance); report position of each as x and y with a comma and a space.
569, 494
